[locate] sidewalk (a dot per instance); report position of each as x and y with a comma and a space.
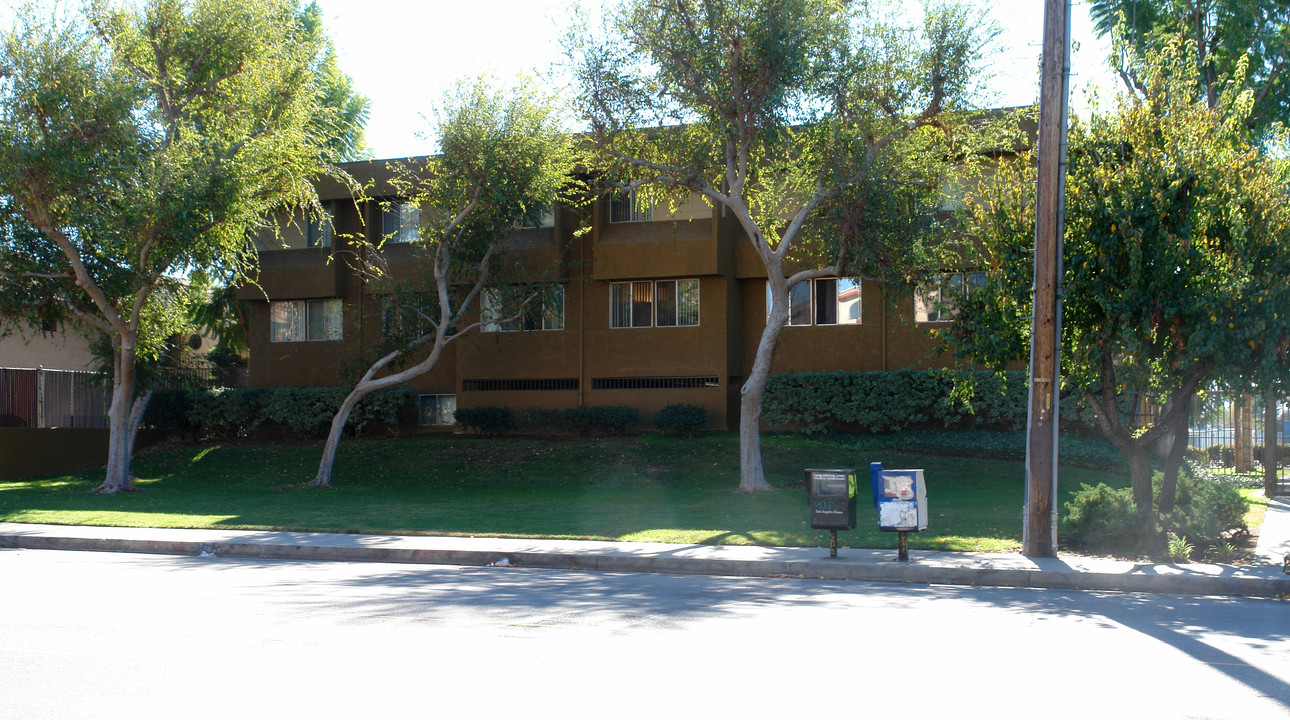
1262, 579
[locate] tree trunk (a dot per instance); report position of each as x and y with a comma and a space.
752, 477
137, 409
1173, 462
1270, 449
323, 478
117, 478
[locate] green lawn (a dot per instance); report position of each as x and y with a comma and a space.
645, 488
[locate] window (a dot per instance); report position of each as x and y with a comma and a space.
630, 207
319, 231
938, 301
543, 217
400, 222
662, 303
436, 410
537, 315
823, 301
301, 320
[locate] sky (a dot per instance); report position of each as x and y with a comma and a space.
404, 55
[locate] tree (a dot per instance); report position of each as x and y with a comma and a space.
1173, 267
137, 143
1223, 34
343, 125
824, 128
503, 159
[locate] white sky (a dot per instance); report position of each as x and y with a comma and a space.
402, 54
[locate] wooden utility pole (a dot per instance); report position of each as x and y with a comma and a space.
1040, 533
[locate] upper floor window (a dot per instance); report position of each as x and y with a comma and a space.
630, 206
937, 300
320, 230
301, 320
400, 221
661, 303
539, 314
823, 301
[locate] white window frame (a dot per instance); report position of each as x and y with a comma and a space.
692, 319
809, 291
536, 316
638, 209
930, 302
299, 324
445, 409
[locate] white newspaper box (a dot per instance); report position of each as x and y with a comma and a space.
901, 499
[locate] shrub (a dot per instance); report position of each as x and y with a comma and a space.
230, 412
173, 409
541, 419
681, 419
306, 411
1100, 517
896, 400
600, 420
1204, 510
486, 421
382, 406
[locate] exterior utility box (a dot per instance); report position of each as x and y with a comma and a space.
901, 499
832, 496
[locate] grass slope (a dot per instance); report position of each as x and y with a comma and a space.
645, 488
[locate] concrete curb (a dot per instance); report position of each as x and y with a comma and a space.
934, 568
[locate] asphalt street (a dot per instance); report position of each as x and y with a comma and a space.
116, 635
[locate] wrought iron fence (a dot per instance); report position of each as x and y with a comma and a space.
40, 398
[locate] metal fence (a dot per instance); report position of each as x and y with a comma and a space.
52, 398
39, 398
1231, 429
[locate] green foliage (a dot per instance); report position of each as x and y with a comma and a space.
1100, 517
1178, 548
1246, 41
1222, 552
487, 421
681, 419
600, 420
1105, 518
139, 141
1174, 262
894, 400
239, 412
1205, 510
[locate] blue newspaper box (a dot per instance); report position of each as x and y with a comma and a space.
901, 499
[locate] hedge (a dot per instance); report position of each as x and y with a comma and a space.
237, 412
900, 399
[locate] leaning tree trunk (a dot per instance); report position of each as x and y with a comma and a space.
137, 409
1173, 462
117, 478
323, 478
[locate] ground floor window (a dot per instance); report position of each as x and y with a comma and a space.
654, 303
937, 301
301, 320
823, 301
437, 410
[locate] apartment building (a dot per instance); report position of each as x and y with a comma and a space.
658, 306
